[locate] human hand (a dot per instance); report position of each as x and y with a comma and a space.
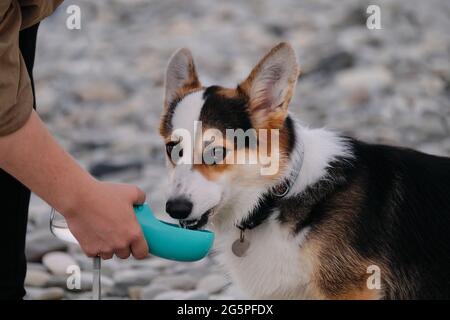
103, 221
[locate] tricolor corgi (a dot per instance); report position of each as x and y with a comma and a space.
337, 219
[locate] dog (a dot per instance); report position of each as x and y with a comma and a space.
340, 219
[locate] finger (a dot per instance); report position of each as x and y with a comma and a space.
123, 253
106, 255
139, 247
90, 253
138, 196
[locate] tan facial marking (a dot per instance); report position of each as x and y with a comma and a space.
211, 172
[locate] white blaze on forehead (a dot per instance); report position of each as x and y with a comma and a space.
188, 111
185, 182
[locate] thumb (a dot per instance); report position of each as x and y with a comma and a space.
138, 196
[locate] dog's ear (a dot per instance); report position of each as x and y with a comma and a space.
270, 86
180, 75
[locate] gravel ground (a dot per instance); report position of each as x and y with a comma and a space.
99, 89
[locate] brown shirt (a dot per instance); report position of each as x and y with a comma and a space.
16, 98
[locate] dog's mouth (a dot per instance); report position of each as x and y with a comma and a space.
195, 224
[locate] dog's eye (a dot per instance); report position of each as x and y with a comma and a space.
214, 155
174, 151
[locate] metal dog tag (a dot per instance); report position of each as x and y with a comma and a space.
240, 246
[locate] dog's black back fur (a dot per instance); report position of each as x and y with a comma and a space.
399, 217
405, 220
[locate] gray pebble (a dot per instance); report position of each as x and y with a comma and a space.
195, 295
181, 281
58, 262
37, 278
124, 279
152, 290
169, 295
135, 293
40, 242
44, 293
213, 283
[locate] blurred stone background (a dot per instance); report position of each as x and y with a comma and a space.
100, 91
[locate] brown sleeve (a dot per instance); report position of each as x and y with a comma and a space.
16, 97
34, 11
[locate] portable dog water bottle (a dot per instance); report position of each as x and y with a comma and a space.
169, 241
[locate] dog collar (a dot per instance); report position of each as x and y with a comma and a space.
266, 205
282, 189
262, 211
279, 191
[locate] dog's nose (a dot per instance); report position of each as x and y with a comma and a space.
179, 208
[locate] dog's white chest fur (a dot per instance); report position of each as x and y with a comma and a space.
275, 265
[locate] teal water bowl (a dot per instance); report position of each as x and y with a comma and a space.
170, 241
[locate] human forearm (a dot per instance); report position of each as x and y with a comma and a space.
99, 214
34, 157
